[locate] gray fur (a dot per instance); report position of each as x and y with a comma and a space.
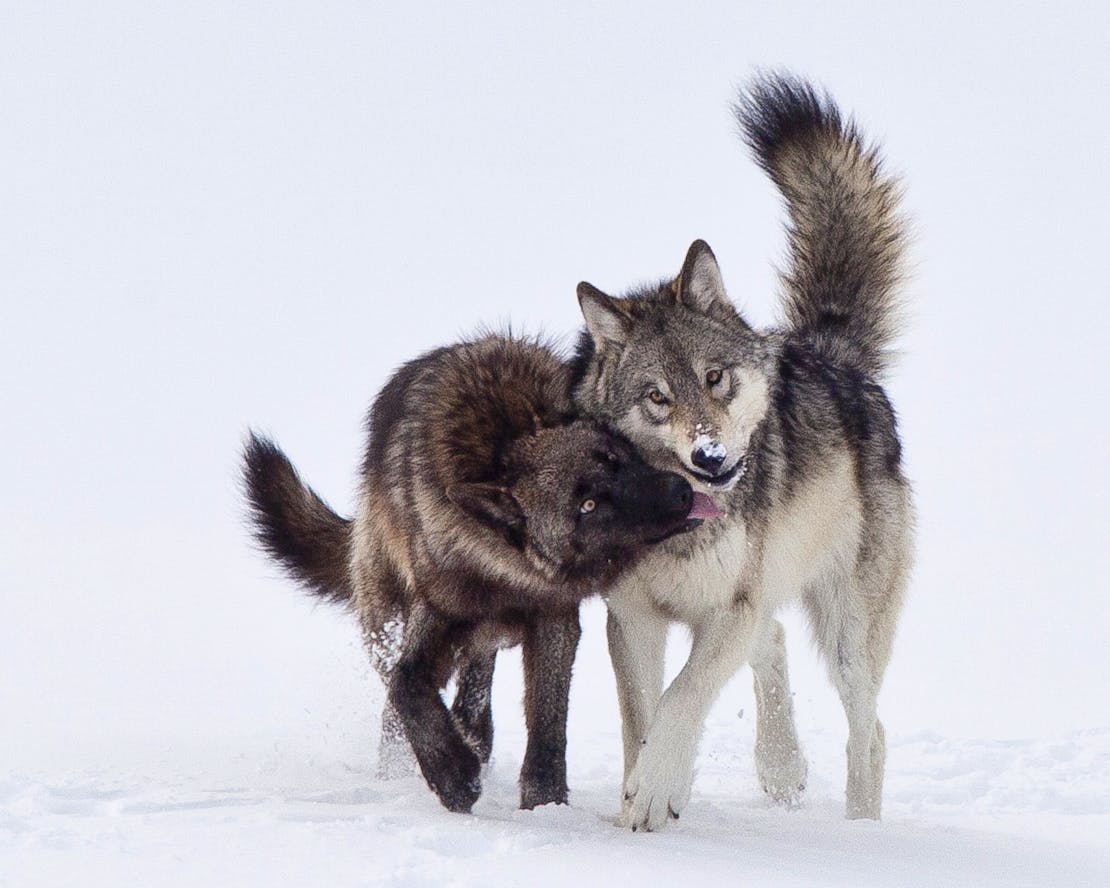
810, 480
846, 234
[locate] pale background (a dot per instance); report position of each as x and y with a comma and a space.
214, 216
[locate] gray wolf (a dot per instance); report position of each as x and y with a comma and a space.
486, 514
790, 433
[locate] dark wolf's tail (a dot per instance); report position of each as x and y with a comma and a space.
847, 237
293, 525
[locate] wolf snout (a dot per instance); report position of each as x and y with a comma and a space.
654, 497
678, 493
709, 457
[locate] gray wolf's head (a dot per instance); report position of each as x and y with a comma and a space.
581, 503
676, 370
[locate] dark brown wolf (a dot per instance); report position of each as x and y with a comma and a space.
486, 514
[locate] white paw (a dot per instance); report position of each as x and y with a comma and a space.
658, 787
864, 802
782, 774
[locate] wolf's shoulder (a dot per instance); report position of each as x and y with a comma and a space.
821, 396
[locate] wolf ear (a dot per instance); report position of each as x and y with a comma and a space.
490, 503
699, 284
605, 319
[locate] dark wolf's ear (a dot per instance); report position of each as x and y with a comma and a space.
699, 285
491, 503
605, 317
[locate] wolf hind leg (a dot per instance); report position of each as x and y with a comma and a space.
383, 642
854, 626
866, 747
472, 706
395, 758
779, 762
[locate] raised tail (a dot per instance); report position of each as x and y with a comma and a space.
847, 237
293, 525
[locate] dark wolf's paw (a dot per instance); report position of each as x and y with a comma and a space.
455, 778
542, 789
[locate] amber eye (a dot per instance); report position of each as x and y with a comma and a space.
713, 377
657, 397
587, 506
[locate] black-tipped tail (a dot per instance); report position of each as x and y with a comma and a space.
847, 236
292, 524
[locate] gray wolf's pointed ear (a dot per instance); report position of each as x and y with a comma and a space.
605, 316
699, 284
490, 503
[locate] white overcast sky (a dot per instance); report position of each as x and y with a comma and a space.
218, 215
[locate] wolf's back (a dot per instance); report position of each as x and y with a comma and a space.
846, 235
293, 525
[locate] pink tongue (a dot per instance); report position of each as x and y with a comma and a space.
703, 507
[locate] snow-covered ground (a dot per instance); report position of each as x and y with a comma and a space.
216, 215
245, 753
301, 806
958, 813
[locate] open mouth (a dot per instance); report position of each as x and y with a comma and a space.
722, 479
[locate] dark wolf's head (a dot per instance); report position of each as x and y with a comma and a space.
676, 370
579, 502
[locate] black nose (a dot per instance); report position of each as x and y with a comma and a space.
709, 458
648, 496
678, 493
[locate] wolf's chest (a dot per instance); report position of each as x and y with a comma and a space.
688, 586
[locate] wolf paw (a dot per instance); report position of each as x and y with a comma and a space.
458, 791
539, 790
658, 787
782, 775
865, 800
454, 774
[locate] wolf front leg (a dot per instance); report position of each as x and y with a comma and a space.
549, 650
637, 635
659, 785
450, 767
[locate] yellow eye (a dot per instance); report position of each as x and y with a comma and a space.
713, 377
657, 397
587, 506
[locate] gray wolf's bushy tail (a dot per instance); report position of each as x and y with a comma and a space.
847, 237
293, 525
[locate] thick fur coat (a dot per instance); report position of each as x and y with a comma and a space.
792, 435
486, 514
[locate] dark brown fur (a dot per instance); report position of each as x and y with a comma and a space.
472, 533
